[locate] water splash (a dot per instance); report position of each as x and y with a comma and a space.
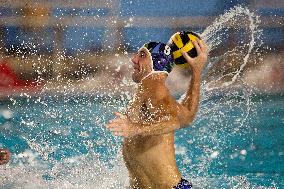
77, 172
226, 108
241, 20
70, 148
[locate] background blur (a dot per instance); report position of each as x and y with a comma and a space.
57, 43
64, 64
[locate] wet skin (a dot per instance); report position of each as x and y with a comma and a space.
151, 118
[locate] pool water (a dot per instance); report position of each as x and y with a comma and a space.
236, 141
250, 152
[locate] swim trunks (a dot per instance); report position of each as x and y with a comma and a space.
183, 184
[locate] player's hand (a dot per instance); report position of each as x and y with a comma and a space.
4, 156
121, 126
197, 64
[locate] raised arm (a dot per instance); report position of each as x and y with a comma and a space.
191, 100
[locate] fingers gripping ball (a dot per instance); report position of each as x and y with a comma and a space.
182, 41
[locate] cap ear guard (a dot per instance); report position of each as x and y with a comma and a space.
161, 55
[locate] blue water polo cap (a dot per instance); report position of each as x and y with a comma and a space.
162, 56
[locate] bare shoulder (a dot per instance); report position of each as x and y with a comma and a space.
162, 93
161, 100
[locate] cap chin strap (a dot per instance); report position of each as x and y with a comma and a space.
152, 66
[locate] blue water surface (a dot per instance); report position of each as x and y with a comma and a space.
233, 141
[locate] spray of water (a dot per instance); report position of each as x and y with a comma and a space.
69, 147
226, 106
241, 20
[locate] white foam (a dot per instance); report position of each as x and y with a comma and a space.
243, 152
7, 114
214, 154
86, 172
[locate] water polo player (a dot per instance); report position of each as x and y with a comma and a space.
153, 115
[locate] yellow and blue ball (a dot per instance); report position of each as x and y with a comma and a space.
182, 41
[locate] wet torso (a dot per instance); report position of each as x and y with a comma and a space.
149, 159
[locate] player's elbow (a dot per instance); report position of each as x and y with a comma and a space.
187, 119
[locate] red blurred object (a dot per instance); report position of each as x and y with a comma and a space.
10, 84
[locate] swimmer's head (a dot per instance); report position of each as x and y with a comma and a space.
152, 57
